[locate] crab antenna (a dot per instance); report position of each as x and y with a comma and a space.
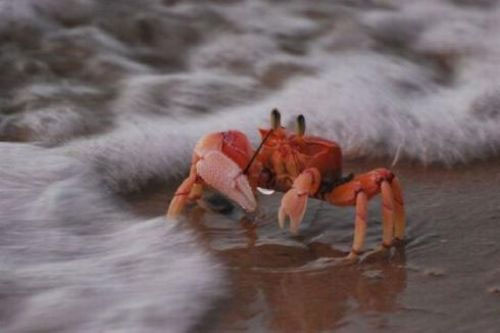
275, 122
275, 119
301, 125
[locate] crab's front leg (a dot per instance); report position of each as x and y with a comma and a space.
218, 160
190, 190
294, 202
357, 193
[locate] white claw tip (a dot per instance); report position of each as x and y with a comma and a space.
294, 227
281, 218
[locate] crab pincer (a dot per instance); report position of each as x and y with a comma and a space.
223, 174
294, 202
218, 161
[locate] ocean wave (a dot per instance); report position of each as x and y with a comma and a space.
112, 97
73, 259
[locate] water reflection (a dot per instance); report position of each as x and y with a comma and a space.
297, 288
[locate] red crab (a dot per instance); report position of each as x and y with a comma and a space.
300, 165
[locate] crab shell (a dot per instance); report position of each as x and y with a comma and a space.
284, 155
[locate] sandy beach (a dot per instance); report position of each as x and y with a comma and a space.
102, 102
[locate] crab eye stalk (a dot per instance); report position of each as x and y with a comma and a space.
275, 119
301, 125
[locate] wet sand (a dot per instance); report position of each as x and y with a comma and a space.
447, 277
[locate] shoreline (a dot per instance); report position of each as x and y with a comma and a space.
285, 283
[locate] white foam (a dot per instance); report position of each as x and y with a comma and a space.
73, 260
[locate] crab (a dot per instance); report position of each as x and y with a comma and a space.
302, 167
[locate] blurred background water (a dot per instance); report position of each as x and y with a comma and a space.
102, 101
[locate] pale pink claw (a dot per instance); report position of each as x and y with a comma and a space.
294, 202
223, 174
293, 205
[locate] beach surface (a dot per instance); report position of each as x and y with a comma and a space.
444, 278
102, 102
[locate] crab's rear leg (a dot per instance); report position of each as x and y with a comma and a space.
357, 193
399, 212
294, 202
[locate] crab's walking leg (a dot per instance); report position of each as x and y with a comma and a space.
387, 214
190, 190
399, 212
353, 194
359, 224
362, 188
294, 202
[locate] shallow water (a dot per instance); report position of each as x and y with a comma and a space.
446, 276
101, 105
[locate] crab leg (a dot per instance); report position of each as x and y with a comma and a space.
294, 202
359, 223
189, 190
399, 212
387, 214
362, 188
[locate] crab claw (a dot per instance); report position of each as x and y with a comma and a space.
294, 202
223, 174
293, 205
